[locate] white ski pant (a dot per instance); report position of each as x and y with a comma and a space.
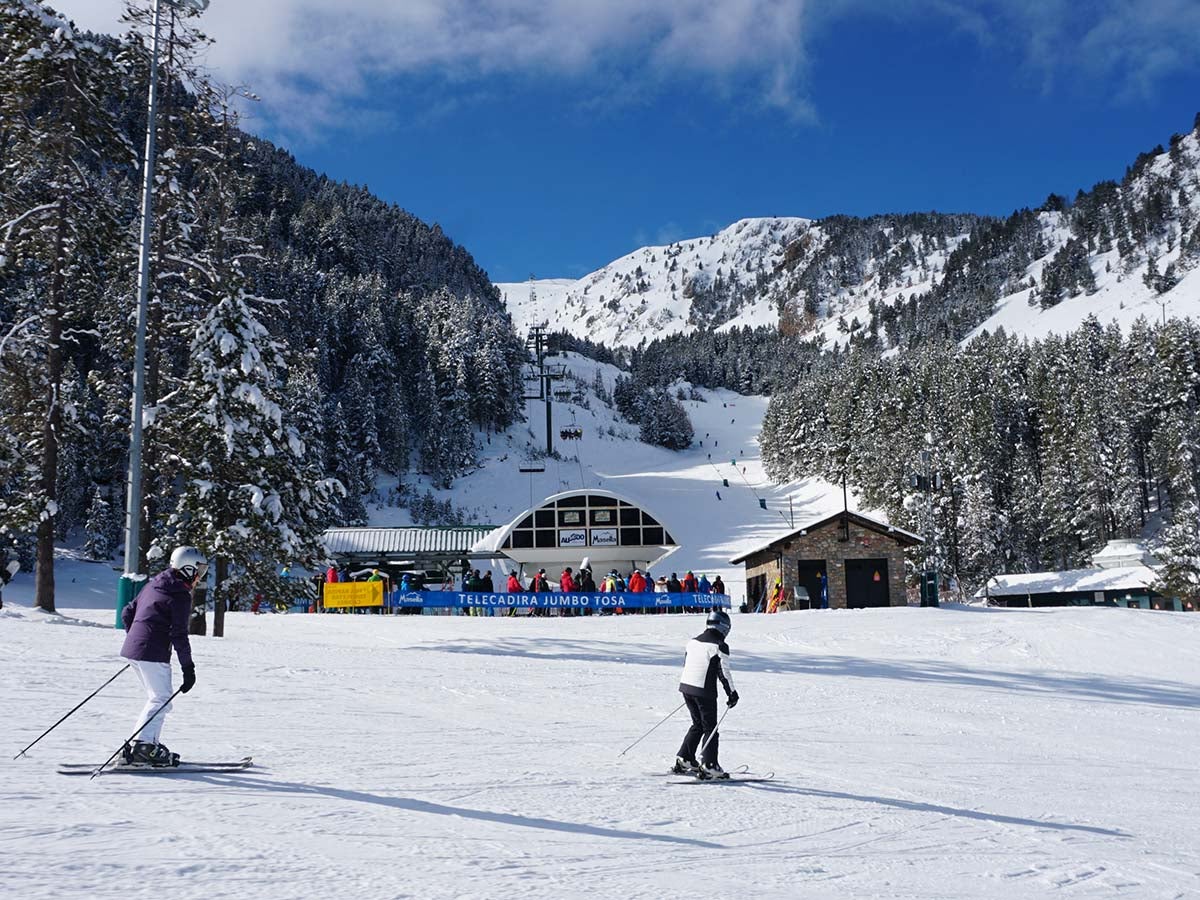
155, 678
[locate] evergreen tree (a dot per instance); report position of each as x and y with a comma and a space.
665, 423
252, 496
59, 212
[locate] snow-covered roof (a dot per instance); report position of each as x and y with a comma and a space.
858, 518
1123, 553
1126, 578
454, 541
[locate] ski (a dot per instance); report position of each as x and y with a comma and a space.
183, 768
738, 778
740, 770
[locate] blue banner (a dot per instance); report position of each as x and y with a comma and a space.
555, 600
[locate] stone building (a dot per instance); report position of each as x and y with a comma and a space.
843, 561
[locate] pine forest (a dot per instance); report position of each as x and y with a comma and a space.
305, 337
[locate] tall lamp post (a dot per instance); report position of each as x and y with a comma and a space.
131, 580
927, 481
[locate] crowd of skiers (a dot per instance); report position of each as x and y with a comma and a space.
569, 581
637, 582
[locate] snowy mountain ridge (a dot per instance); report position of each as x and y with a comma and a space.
1117, 252
701, 282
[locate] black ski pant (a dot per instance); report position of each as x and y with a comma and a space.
704, 720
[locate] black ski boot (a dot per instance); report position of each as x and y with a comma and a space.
685, 766
712, 771
144, 753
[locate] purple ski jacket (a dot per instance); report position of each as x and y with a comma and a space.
157, 619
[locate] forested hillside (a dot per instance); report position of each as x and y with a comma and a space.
303, 335
1046, 449
1048, 446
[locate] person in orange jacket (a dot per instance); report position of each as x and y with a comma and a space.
637, 583
690, 585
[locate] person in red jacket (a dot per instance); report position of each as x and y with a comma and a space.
637, 582
566, 581
690, 585
514, 584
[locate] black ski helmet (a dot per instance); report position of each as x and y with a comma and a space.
719, 619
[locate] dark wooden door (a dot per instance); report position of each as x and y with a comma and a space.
866, 583
756, 591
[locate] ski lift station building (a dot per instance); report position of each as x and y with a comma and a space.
610, 531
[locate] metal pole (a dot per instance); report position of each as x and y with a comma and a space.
712, 734
68, 715
549, 428
104, 764
133, 511
647, 734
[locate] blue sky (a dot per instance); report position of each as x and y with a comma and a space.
551, 137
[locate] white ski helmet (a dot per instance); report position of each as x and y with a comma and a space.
190, 563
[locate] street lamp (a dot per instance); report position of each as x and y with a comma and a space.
928, 482
130, 580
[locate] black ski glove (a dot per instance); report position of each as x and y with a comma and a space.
732, 701
189, 678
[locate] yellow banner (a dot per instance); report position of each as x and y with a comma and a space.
354, 593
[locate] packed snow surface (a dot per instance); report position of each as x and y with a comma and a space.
925, 753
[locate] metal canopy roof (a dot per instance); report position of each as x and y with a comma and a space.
406, 544
606, 528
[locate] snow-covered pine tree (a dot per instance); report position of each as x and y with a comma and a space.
1178, 547
252, 495
665, 423
58, 216
102, 531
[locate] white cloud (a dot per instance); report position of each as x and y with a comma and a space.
311, 59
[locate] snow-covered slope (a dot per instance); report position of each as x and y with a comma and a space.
657, 291
711, 522
742, 276
919, 753
828, 277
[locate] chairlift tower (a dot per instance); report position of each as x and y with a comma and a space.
544, 375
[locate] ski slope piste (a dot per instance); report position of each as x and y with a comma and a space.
924, 753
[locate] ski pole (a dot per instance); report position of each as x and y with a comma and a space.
647, 734
68, 715
713, 733
104, 764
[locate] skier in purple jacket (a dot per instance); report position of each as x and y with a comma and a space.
156, 621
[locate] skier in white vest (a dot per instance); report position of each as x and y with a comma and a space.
706, 663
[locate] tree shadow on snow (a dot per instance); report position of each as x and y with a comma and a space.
1086, 686
919, 806
408, 804
560, 650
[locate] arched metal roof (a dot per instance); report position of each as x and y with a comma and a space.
589, 522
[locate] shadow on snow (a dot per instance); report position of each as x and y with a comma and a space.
440, 809
919, 806
1100, 688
